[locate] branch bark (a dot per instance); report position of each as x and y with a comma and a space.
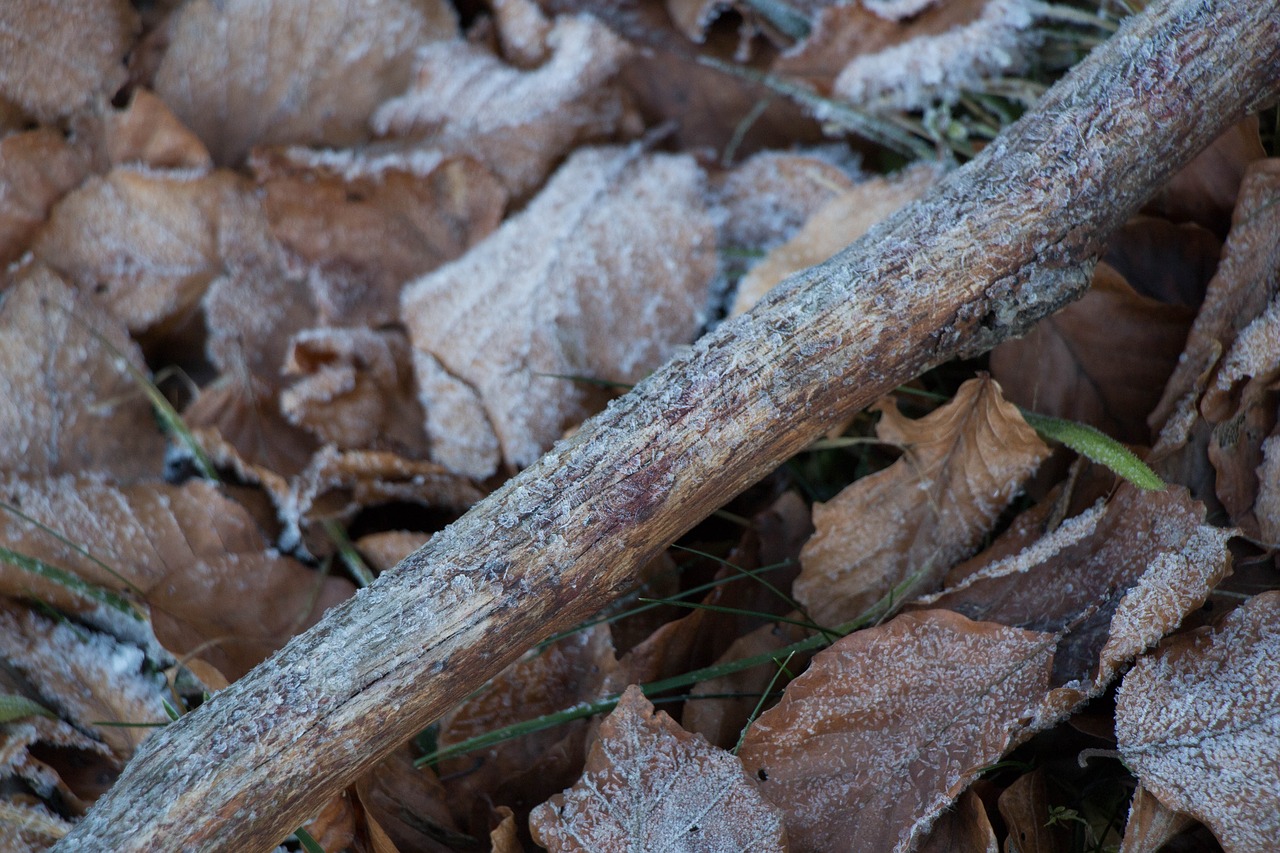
997, 245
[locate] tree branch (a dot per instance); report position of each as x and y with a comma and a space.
997, 245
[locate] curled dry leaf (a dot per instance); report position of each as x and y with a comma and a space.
517, 123
242, 73
71, 404
1151, 824
58, 57
962, 465
195, 558
890, 724
1198, 721
37, 168
919, 72
1071, 366
354, 388
650, 785
94, 680
365, 224
143, 243
239, 425
601, 276
838, 223
524, 771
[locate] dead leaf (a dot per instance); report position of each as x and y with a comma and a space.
1198, 723
58, 58
408, 805
1151, 824
517, 123
522, 31
1205, 190
962, 465
31, 826
334, 827
888, 725
523, 772
242, 73
353, 388
1248, 277
649, 785
213, 585
505, 837
768, 197
1101, 360
146, 132
92, 679
1267, 505
143, 243
964, 828
36, 169
1172, 264
384, 550
72, 404
365, 223
601, 276
1024, 805
838, 223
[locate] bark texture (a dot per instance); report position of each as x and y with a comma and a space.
999, 244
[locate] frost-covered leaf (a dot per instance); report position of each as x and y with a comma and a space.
767, 198
650, 785
962, 465
143, 243
242, 73
601, 276
1068, 366
1114, 580
70, 402
194, 557
1267, 506
147, 133
835, 225
93, 679
517, 123
36, 169
1198, 721
25, 826
365, 224
238, 423
913, 74
58, 56
964, 828
353, 388
1151, 824
890, 724
524, 771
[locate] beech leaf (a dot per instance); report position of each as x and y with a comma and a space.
650, 785
1198, 721
602, 275
962, 465
888, 725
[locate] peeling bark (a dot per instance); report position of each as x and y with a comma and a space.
997, 245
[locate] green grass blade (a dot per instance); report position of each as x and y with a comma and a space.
70, 581
15, 707
1096, 446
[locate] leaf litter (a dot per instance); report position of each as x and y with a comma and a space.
381, 255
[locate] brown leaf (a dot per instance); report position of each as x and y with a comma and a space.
888, 726
1151, 824
1024, 805
239, 425
1101, 361
1267, 505
962, 465
145, 244
601, 276
1198, 721
57, 59
768, 197
517, 123
525, 771
505, 837
366, 224
1114, 579
252, 72
146, 132
1205, 190
1170, 263
838, 223
353, 388
408, 804
964, 828
383, 550
92, 679
71, 404
36, 169
650, 785
196, 559
1248, 277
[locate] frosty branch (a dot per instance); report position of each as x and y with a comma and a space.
996, 246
